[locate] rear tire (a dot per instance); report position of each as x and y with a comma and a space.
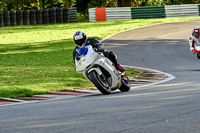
101, 85
125, 84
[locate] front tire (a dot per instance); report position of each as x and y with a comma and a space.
101, 84
126, 86
198, 57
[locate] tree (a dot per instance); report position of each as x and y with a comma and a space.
67, 3
124, 3
83, 5
146, 2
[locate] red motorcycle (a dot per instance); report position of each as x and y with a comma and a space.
197, 48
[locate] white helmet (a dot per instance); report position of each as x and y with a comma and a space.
196, 31
80, 38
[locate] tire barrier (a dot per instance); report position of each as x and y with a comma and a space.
72, 14
1, 19
13, 20
45, 16
19, 17
38, 16
26, 17
65, 15
6, 16
33, 17
59, 15
52, 15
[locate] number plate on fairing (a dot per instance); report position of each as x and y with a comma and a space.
80, 64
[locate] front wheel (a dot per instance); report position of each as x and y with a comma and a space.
125, 84
198, 57
100, 82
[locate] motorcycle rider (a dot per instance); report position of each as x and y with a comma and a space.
81, 39
194, 38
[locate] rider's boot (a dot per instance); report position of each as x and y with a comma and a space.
120, 68
110, 55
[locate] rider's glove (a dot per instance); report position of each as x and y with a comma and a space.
100, 50
99, 47
78, 58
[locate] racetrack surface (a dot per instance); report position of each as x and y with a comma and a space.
170, 107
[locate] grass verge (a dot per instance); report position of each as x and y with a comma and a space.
36, 59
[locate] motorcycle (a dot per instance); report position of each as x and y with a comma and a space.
100, 71
197, 49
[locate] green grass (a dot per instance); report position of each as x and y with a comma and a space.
37, 59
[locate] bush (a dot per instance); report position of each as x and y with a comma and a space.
82, 18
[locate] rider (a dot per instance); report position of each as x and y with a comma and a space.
81, 39
194, 38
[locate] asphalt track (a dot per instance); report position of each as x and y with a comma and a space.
170, 107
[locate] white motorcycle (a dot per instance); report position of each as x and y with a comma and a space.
100, 71
196, 48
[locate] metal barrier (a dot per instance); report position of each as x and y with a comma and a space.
112, 13
92, 14
148, 12
72, 14
187, 10
120, 13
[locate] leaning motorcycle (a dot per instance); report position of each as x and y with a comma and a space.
100, 71
197, 48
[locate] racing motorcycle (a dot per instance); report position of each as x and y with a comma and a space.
197, 48
100, 71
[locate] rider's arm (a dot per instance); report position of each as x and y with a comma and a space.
74, 54
193, 42
96, 44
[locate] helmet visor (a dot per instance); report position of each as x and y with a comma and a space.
80, 42
196, 34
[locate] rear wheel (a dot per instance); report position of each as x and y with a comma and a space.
100, 82
125, 84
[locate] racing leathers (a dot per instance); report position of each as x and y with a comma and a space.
98, 47
193, 41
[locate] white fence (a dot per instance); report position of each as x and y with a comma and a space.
92, 14
187, 10
118, 13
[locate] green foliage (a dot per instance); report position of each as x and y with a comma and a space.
155, 3
9, 5
82, 17
164, 2
82, 5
